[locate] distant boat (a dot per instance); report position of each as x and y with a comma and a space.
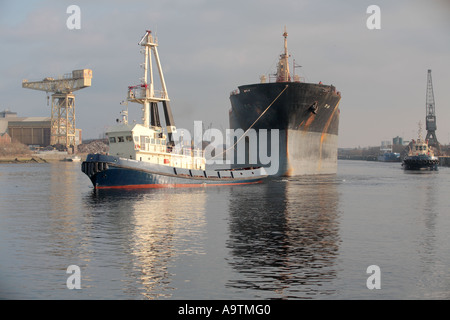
386, 153
73, 159
420, 156
389, 157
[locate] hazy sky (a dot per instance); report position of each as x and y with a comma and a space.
208, 48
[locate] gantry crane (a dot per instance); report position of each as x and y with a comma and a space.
431, 115
62, 124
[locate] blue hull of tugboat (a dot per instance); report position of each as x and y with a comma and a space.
109, 172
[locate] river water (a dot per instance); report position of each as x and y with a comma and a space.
287, 238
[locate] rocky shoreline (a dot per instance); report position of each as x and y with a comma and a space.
40, 157
15, 152
22, 159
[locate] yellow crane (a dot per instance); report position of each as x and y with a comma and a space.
62, 124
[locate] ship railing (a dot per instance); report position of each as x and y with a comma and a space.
186, 151
187, 158
143, 92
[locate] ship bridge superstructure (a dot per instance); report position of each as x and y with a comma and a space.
283, 73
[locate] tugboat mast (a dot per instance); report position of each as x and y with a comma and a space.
145, 93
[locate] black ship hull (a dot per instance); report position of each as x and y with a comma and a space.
307, 117
420, 162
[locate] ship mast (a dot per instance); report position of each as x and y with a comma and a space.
146, 94
283, 74
420, 132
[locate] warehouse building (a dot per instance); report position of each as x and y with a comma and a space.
27, 130
31, 131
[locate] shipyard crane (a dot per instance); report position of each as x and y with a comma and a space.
62, 123
431, 115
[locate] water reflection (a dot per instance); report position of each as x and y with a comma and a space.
433, 282
152, 229
62, 209
284, 236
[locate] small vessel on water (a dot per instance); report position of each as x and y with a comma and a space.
386, 153
420, 156
144, 156
72, 159
389, 157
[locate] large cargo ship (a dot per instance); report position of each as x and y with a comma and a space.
306, 115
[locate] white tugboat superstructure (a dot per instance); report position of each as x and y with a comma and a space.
147, 141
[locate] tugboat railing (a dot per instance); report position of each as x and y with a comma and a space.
142, 92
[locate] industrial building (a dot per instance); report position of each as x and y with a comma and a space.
31, 131
27, 130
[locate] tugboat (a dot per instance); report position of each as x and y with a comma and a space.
420, 156
143, 156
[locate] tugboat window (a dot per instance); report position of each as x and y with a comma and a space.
112, 139
120, 139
